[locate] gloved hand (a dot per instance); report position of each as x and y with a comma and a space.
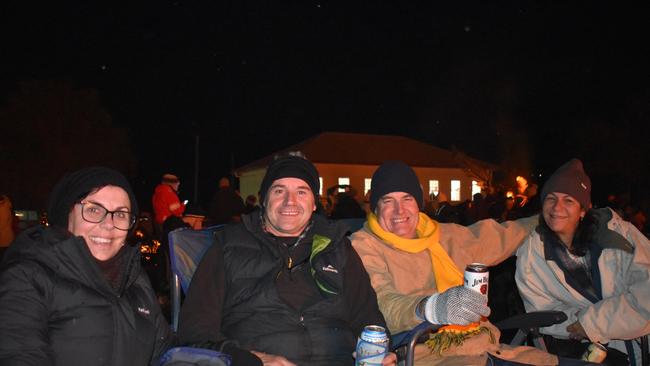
458, 305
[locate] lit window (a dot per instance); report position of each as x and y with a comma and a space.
366, 185
434, 187
476, 188
320, 186
455, 190
343, 181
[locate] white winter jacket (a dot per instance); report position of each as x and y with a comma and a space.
624, 311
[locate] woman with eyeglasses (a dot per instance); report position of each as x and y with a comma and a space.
74, 293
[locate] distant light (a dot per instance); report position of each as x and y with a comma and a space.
318, 5
467, 28
104, 67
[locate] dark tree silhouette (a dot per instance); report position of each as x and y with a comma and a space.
52, 127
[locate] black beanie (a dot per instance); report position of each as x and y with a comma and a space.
394, 176
570, 179
290, 167
75, 186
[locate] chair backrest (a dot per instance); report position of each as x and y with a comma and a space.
186, 249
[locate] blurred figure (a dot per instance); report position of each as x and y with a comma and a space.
6, 221
73, 293
251, 204
346, 205
226, 205
446, 212
166, 202
531, 206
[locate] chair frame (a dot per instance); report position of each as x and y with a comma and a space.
175, 286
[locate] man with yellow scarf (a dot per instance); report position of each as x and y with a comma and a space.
416, 267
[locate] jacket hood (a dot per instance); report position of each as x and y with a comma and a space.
67, 256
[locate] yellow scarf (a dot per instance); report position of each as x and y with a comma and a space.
444, 269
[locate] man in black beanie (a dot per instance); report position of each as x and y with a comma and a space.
284, 286
416, 264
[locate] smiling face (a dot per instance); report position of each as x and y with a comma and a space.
398, 213
288, 207
562, 214
103, 239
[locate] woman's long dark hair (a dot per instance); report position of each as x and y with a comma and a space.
584, 234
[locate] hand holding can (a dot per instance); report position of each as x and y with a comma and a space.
372, 346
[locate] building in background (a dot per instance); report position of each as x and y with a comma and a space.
351, 158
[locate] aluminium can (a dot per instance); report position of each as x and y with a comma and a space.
477, 278
372, 346
595, 353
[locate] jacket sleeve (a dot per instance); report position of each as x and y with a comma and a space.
359, 294
24, 316
398, 308
164, 339
199, 323
627, 314
485, 241
534, 278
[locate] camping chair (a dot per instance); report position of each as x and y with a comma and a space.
529, 323
186, 248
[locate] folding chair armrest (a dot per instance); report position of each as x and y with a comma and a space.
410, 338
534, 319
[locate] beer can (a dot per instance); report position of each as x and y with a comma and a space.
477, 278
595, 353
372, 346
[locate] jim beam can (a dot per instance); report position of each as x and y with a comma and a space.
372, 346
595, 353
477, 278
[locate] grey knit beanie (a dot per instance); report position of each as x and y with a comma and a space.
570, 179
394, 176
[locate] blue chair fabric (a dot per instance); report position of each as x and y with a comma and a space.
186, 249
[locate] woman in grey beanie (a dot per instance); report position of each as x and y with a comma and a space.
73, 293
591, 265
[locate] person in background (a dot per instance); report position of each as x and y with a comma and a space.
416, 267
165, 201
73, 293
226, 205
251, 204
6, 221
284, 286
590, 264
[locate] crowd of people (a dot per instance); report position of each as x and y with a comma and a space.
286, 285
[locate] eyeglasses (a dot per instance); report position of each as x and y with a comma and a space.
96, 213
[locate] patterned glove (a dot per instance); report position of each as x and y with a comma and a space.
458, 305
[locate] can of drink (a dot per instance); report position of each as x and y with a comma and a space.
595, 353
477, 278
372, 346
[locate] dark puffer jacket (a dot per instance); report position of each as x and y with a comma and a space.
57, 308
233, 296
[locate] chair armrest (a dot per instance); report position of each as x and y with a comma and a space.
534, 319
409, 338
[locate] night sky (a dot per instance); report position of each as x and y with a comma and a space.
528, 84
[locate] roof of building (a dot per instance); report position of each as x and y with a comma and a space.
368, 149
